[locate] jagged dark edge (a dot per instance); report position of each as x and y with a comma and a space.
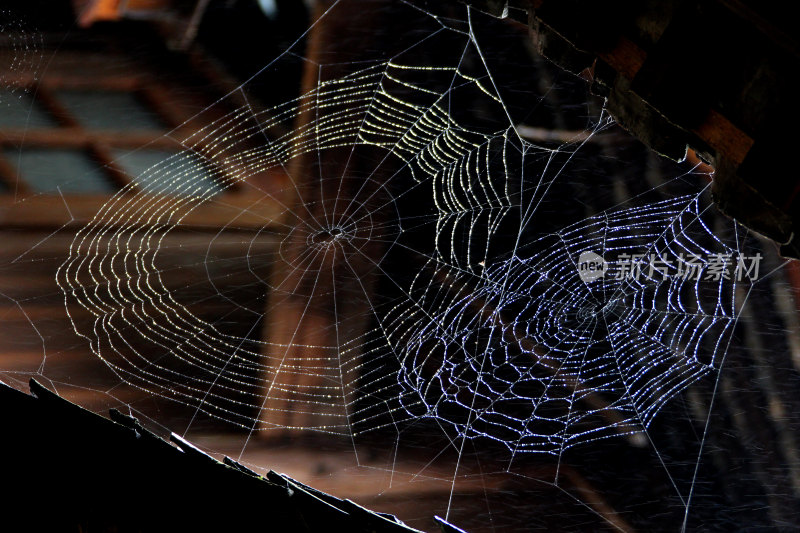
315, 508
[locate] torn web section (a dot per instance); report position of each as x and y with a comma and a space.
581, 335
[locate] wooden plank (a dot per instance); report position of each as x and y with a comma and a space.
16, 360
70, 80
81, 62
242, 211
73, 137
47, 99
321, 297
43, 248
10, 178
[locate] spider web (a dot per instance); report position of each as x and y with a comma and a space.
530, 332
534, 313
421, 267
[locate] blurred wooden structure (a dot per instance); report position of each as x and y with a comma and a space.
105, 79
100, 108
323, 298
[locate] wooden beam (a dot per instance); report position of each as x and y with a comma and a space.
10, 178
48, 100
319, 308
246, 212
74, 137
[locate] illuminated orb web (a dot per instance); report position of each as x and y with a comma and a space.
531, 354
149, 336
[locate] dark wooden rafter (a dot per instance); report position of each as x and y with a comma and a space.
44, 95
10, 179
76, 137
323, 297
247, 212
